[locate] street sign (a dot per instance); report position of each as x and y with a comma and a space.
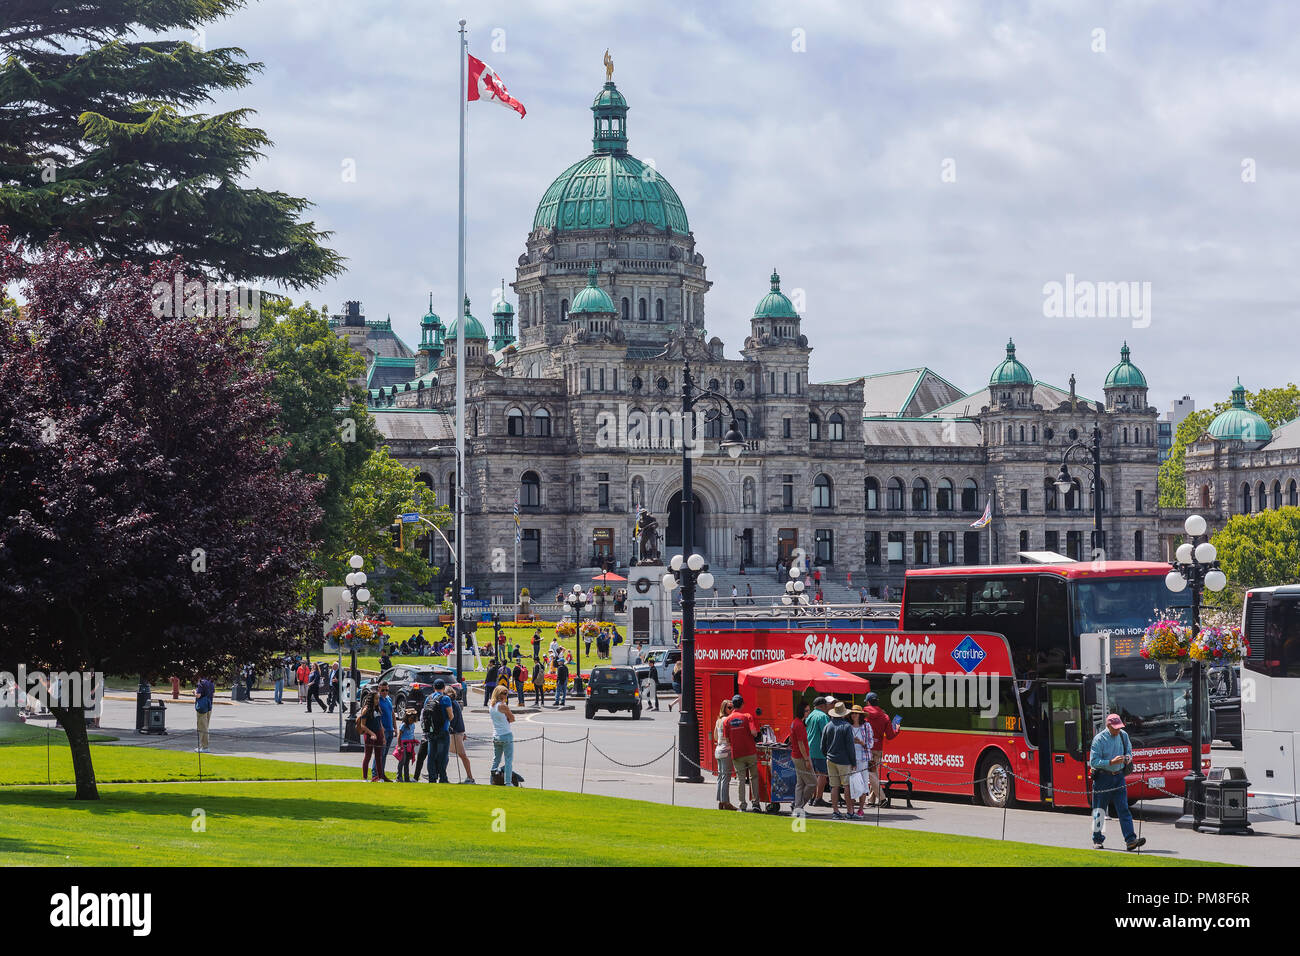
467, 591
476, 603
410, 518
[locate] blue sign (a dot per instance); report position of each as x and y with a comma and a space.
478, 603
968, 654
467, 591
410, 518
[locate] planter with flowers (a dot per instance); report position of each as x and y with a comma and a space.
1219, 645
1168, 642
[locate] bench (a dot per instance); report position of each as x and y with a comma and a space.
903, 783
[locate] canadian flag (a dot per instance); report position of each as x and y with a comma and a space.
485, 84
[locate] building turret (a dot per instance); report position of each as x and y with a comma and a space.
1126, 386
1011, 384
503, 322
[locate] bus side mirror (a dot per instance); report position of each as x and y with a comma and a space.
1072, 736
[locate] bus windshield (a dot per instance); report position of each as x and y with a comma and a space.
1155, 715
1124, 606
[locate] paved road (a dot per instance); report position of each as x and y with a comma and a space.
626, 758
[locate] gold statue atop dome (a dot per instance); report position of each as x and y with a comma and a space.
609, 67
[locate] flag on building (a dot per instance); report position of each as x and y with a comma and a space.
986, 517
485, 84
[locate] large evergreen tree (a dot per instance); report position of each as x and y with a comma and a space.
98, 143
147, 522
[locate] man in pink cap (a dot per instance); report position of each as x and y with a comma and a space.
1110, 759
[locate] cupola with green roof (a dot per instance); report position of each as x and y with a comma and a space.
592, 298
431, 332
610, 189
474, 330
1126, 386
1010, 371
503, 322
1239, 422
775, 319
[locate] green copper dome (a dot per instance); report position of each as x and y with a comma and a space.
610, 189
592, 298
504, 308
1011, 371
775, 305
473, 327
1239, 421
1125, 374
431, 319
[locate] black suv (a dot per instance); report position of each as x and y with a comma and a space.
613, 689
409, 684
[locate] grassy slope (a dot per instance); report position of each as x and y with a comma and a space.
331, 823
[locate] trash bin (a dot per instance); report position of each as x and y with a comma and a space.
238, 691
1225, 800
143, 694
156, 717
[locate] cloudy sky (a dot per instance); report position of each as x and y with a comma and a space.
918, 170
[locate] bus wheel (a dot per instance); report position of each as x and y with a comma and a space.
994, 785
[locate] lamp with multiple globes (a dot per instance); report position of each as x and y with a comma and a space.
355, 581
577, 600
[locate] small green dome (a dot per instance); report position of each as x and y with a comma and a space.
473, 327
431, 319
1125, 374
504, 308
1011, 371
593, 298
775, 305
1240, 422
608, 97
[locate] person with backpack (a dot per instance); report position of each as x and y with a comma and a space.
204, 693
539, 683
437, 718
1110, 758
404, 750
561, 681
520, 677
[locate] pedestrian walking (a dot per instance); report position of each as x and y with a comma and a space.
1110, 758
561, 681
313, 687
302, 673
741, 728
650, 690
205, 692
837, 744
882, 729
404, 750
677, 677
734, 595
279, 681
520, 678
539, 683
503, 738
749, 592
722, 755
805, 776
371, 731
335, 683
490, 681
384, 709
458, 732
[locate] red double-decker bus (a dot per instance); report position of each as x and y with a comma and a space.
984, 668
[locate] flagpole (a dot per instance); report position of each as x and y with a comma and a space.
991, 561
462, 98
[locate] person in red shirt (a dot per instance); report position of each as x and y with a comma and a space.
881, 728
741, 728
303, 673
805, 776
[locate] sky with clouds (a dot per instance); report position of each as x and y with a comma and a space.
918, 170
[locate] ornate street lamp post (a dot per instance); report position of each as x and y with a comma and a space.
690, 572
577, 600
1196, 566
349, 741
1065, 484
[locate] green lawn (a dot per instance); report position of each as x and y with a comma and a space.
24, 763
306, 824
520, 636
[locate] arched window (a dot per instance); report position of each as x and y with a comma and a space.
1205, 496
1022, 433
1050, 497
814, 427
1033, 433
638, 428
514, 422
742, 422
659, 310
1277, 495
1291, 497
564, 310
1245, 499
1137, 545
638, 491
821, 492
943, 495
1261, 497
970, 495
663, 425
1126, 434
747, 495
1074, 498
640, 310
627, 309
542, 423
920, 495
473, 423
1148, 436
835, 427
895, 495
1010, 437
872, 496
530, 490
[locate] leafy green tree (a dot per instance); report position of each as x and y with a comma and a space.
98, 143
1260, 549
1277, 406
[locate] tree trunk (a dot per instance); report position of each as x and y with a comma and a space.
73, 721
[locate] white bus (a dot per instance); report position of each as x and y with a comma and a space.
1270, 709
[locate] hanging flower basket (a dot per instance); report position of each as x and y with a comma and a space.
590, 629
565, 629
1219, 645
356, 635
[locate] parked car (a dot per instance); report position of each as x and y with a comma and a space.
1224, 684
613, 689
409, 684
661, 661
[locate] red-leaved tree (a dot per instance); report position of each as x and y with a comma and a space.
146, 524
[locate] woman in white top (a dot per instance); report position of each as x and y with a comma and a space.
722, 753
859, 782
503, 738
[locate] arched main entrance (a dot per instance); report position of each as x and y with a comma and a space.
673, 536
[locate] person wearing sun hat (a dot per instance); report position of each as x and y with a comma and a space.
1110, 758
838, 745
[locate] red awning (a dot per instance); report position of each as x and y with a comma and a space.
801, 672
611, 576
